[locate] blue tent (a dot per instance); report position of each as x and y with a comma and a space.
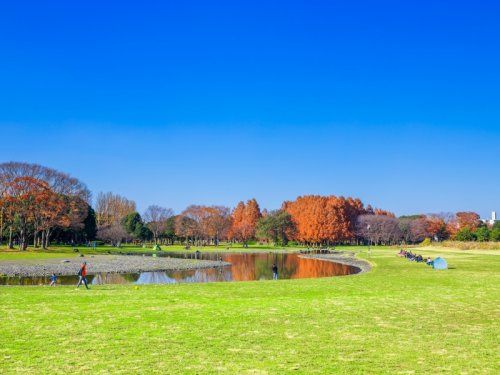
439, 264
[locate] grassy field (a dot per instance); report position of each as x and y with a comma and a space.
56, 251
401, 317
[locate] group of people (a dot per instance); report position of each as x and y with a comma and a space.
414, 257
82, 277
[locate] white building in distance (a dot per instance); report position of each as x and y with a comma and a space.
492, 220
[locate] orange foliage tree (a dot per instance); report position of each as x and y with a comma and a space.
470, 220
32, 205
381, 212
207, 224
324, 219
436, 226
244, 220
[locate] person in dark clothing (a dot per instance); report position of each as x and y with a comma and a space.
82, 275
53, 279
275, 271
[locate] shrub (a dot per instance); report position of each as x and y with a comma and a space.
426, 242
495, 234
465, 234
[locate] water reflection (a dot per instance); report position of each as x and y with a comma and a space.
244, 267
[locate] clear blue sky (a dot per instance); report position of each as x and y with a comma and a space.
394, 102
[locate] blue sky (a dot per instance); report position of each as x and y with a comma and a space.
397, 103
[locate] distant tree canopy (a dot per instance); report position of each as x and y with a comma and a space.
39, 205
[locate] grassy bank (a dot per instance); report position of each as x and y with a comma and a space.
475, 245
65, 251
401, 317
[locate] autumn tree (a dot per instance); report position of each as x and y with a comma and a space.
66, 196
114, 234
380, 212
156, 219
324, 219
187, 228
52, 210
207, 224
112, 208
468, 219
436, 227
237, 220
414, 228
28, 201
215, 223
244, 220
379, 229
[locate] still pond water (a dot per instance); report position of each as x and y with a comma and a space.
244, 267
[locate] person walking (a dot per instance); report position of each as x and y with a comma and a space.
275, 271
82, 275
53, 279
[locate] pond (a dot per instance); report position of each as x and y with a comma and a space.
244, 267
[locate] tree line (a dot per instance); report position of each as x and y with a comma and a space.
40, 205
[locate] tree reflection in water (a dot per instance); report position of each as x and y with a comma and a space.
244, 267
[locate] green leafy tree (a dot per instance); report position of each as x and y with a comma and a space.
90, 225
169, 232
482, 233
277, 227
133, 225
495, 235
465, 234
130, 221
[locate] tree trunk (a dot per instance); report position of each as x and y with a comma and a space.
46, 242
11, 244
1, 226
23, 243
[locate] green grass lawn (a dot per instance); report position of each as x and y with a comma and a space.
63, 251
401, 317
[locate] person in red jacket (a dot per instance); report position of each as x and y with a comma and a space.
82, 275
